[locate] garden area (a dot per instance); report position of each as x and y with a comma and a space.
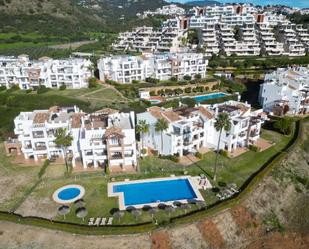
34, 196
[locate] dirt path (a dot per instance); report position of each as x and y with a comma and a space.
21, 237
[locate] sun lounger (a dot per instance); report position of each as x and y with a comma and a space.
103, 222
97, 221
126, 180
110, 221
90, 222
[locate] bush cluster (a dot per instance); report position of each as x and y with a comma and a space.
173, 158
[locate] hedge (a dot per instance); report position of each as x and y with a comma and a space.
245, 190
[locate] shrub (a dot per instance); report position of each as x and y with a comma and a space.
188, 90
190, 102
143, 151
107, 171
173, 158
155, 152
284, 125
92, 82
199, 155
187, 77
197, 76
254, 148
135, 81
2, 88
62, 87
152, 93
152, 80
174, 78
42, 89
13, 88
223, 153
222, 184
28, 90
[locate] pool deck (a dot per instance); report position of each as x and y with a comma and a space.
120, 195
60, 201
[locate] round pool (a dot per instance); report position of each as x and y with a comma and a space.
68, 194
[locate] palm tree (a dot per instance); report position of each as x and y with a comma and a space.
222, 123
161, 126
63, 140
142, 128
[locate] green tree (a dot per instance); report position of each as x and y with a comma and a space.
223, 122
63, 140
161, 126
284, 125
142, 128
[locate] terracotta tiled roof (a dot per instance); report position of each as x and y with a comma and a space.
107, 111
41, 117
168, 115
171, 116
205, 112
243, 108
54, 108
113, 131
76, 120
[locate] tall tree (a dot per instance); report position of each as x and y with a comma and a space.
142, 128
63, 140
222, 123
161, 126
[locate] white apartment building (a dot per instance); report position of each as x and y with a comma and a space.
291, 41
166, 39
269, 44
30, 74
303, 36
247, 46
209, 37
125, 69
167, 10
286, 91
190, 129
100, 139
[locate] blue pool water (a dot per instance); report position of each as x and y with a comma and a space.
68, 194
159, 191
209, 96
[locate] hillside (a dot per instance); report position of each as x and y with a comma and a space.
71, 16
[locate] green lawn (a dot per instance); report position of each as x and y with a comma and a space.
235, 170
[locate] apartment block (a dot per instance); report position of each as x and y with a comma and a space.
191, 129
100, 139
165, 39
163, 66
286, 91
30, 74
167, 10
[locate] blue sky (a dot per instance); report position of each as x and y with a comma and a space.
293, 3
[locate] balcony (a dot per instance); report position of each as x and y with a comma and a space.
40, 148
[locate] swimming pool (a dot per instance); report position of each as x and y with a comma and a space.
68, 194
202, 98
155, 101
154, 191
